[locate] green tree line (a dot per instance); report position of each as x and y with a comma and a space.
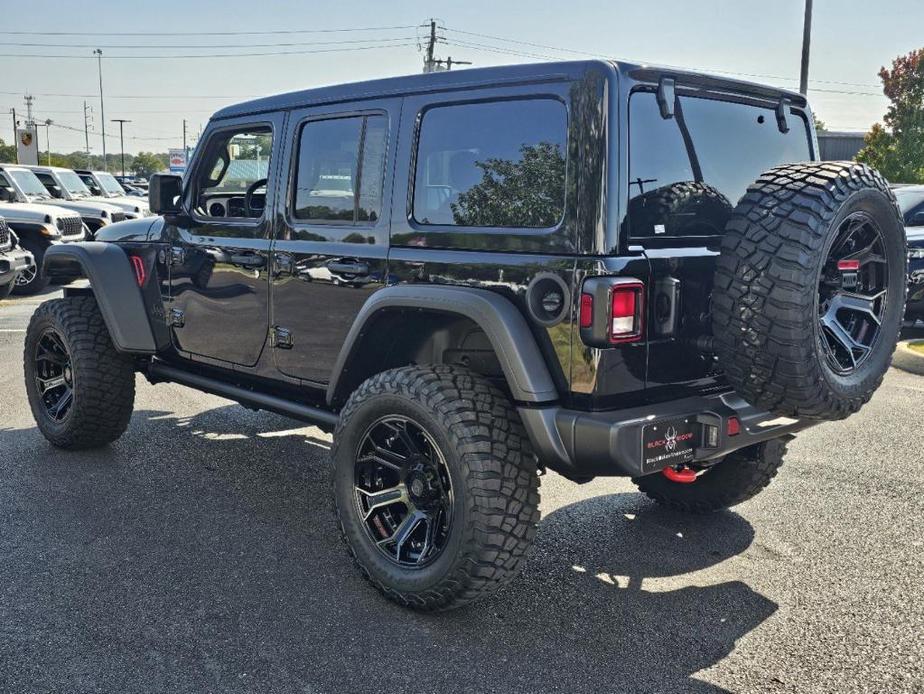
141, 164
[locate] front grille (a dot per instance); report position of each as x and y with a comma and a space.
70, 226
5, 240
118, 217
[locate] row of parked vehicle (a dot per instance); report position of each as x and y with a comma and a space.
42, 206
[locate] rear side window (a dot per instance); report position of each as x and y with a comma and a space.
686, 173
340, 170
497, 164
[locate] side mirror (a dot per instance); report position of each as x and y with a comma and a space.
95, 191
917, 220
7, 195
164, 193
55, 191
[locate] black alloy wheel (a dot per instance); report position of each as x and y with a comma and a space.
54, 375
27, 276
852, 293
403, 492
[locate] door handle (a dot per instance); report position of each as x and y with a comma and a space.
348, 267
284, 262
248, 261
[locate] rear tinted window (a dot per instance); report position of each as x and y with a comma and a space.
687, 173
499, 164
340, 170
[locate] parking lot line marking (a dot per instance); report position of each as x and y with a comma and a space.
11, 330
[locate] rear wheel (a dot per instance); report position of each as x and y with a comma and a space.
435, 486
81, 390
736, 478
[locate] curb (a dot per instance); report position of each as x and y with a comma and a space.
907, 359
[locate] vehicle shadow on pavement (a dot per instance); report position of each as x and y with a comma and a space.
202, 554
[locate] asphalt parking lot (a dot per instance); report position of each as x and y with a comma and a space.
199, 553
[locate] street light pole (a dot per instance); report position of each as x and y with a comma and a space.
102, 109
122, 122
806, 44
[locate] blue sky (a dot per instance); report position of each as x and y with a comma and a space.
851, 40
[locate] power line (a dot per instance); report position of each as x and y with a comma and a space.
192, 56
199, 33
575, 51
172, 97
289, 44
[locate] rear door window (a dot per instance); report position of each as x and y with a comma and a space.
492, 164
687, 173
340, 170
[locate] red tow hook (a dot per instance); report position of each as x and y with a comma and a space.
680, 473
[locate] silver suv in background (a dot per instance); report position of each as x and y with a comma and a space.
38, 222
14, 260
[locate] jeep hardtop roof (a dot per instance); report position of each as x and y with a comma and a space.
499, 76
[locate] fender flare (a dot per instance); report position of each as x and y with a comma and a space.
114, 287
524, 367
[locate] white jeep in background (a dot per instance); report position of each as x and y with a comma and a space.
25, 186
103, 184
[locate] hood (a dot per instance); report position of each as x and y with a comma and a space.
33, 212
127, 204
88, 208
141, 229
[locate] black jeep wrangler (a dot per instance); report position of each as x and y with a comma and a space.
470, 277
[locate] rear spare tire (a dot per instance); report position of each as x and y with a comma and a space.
810, 289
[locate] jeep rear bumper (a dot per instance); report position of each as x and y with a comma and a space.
581, 444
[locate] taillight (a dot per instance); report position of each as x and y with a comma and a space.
733, 426
587, 311
626, 314
138, 267
612, 310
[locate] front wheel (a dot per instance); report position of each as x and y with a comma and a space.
32, 280
81, 390
736, 478
435, 486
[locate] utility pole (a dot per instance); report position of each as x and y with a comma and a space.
87, 109
122, 122
48, 123
429, 65
15, 134
102, 109
185, 148
29, 101
806, 43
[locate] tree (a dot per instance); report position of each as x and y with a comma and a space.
820, 126
7, 153
147, 163
525, 193
897, 148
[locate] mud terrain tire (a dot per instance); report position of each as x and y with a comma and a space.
779, 275
101, 381
494, 484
